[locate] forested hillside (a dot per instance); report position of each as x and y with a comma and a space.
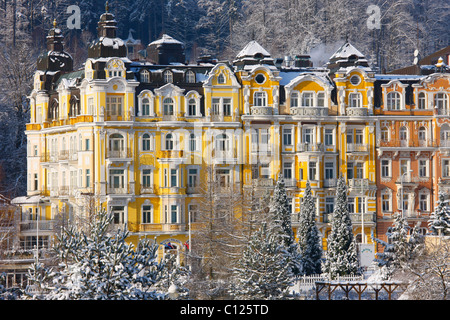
387, 32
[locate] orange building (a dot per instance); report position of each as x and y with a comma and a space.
413, 159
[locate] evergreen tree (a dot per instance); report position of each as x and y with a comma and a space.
439, 223
341, 256
263, 271
280, 218
99, 266
309, 240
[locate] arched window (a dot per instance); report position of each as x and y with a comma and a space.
168, 76
192, 142
168, 107
393, 101
294, 99
190, 76
222, 142
116, 142
169, 141
422, 135
145, 107
260, 99
422, 102
146, 142
221, 79
355, 100
192, 107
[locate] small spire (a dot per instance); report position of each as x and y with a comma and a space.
106, 6
54, 23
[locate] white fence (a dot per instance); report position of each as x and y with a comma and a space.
306, 283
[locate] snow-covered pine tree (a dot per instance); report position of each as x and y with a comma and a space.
280, 218
309, 240
99, 265
263, 271
439, 223
341, 254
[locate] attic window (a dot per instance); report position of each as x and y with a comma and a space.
353, 58
221, 79
260, 78
355, 80
190, 77
168, 76
145, 76
258, 55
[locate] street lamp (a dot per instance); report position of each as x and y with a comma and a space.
403, 204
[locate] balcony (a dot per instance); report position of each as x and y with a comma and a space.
309, 111
147, 189
263, 182
357, 112
289, 183
119, 190
173, 227
34, 225
310, 147
330, 183
369, 218
261, 110
407, 143
118, 154
357, 147
358, 183
193, 189
171, 117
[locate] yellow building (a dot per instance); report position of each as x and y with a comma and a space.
138, 137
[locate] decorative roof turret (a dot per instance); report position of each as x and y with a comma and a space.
107, 44
253, 54
346, 56
55, 59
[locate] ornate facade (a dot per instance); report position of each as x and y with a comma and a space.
137, 137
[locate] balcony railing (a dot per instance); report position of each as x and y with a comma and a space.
118, 154
330, 183
357, 147
170, 154
357, 112
407, 143
147, 188
263, 182
33, 225
309, 111
120, 190
261, 110
358, 183
192, 189
310, 147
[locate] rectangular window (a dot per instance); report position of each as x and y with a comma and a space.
36, 184
173, 213
193, 210
90, 106
227, 107
329, 170
88, 178
147, 214
359, 137
87, 143
329, 137
386, 202
308, 136
423, 202
116, 178
215, 106
359, 170
173, 177
114, 106
192, 178
320, 99
351, 204
287, 170
446, 168
329, 205
385, 168
287, 136
147, 178
350, 170
307, 99
312, 170
423, 172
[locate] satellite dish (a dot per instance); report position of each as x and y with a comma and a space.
416, 53
416, 60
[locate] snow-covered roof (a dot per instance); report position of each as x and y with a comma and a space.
251, 49
399, 77
111, 42
166, 39
26, 200
345, 51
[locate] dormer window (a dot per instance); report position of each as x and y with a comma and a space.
168, 76
115, 68
393, 101
145, 76
190, 76
260, 99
